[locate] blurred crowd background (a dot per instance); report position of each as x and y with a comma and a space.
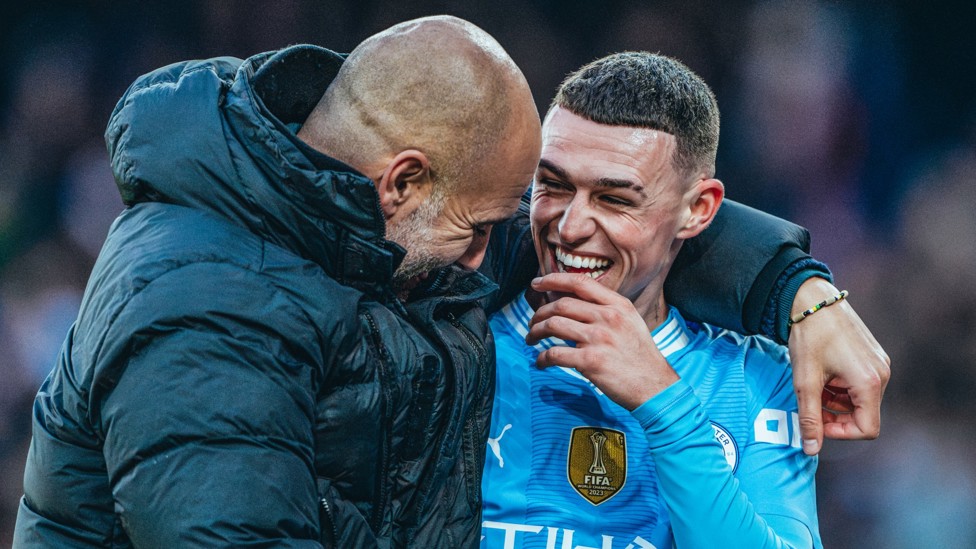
855, 119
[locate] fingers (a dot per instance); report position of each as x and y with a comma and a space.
836, 400
808, 397
835, 345
587, 312
865, 378
556, 326
568, 307
576, 284
865, 397
568, 357
842, 427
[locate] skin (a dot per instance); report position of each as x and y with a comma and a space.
610, 193
834, 348
401, 151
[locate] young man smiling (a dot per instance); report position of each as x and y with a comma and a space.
616, 423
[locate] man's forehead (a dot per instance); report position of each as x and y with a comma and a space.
602, 156
565, 128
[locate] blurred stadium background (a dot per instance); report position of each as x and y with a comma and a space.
855, 119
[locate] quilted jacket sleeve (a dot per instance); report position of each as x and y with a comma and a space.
207, 415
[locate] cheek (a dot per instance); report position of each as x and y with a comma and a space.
637, 243
457, 246
540, 245
544, 211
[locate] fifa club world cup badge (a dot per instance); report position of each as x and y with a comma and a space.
597, 464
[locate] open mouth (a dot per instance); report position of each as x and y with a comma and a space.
594, 267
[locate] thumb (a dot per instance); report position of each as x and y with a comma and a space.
808, 391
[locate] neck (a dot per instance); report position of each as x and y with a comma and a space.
653, 309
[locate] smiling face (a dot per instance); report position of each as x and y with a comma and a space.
608, 202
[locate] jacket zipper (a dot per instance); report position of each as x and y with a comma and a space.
472, 429
467, 334
324, 503
377, 518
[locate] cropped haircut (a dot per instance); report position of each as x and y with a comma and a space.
648, 90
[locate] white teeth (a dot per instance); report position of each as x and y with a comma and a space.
578, 262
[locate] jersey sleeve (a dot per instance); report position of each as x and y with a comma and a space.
708, 505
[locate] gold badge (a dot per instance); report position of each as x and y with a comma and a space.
597, 464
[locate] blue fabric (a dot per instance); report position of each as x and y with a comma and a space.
668, 479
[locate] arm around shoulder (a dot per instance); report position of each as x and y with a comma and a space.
744, 260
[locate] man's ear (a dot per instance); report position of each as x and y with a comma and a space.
705, 198
404, 184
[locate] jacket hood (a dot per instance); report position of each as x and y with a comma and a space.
219, 135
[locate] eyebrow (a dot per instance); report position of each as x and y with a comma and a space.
602, 182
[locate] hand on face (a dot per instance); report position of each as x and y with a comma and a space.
837, 365
614, 348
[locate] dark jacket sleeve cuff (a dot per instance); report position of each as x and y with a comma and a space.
776, 314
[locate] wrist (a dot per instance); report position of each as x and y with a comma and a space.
649, 389
812, 291
776, 321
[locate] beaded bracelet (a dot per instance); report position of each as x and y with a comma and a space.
825, 303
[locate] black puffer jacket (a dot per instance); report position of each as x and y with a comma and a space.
240, 373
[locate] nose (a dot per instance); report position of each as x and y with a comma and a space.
576, 223
475, 253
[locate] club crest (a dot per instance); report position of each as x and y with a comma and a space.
729, 447
597, 463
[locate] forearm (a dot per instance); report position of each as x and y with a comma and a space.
794, 286
707, 505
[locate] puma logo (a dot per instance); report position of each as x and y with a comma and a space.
496, 449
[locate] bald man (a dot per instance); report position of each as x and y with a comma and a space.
440, 138
248, 366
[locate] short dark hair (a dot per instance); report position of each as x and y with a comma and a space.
648, 90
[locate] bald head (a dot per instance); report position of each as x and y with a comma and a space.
440, 85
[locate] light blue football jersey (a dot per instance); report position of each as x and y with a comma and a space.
567, 468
